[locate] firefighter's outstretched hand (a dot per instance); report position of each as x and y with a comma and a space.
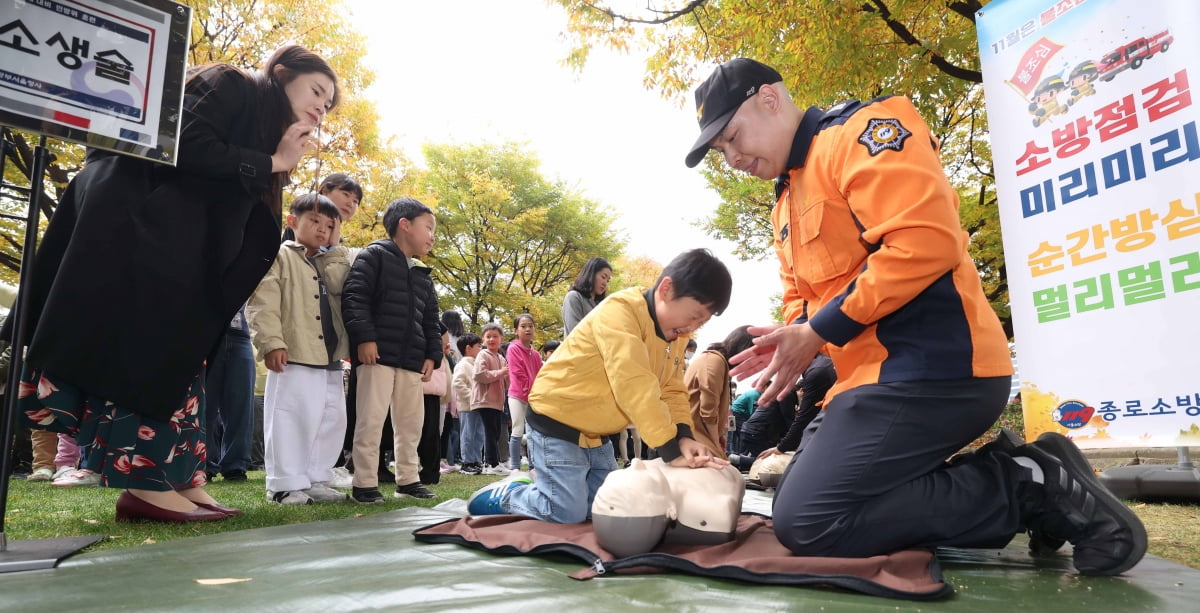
780, 354
753, 360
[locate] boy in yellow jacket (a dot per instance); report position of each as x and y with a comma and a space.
623, 364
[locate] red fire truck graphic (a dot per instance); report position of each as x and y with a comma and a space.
1133, 53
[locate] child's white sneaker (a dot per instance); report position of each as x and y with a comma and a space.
498, 469
76, 478
321, 493
289, 497
41, 474
342, 479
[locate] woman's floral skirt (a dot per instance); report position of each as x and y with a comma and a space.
127, 449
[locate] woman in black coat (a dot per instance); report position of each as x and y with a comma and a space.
143, 266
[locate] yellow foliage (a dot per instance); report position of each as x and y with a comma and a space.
828, 51
1191, 436
1038, 407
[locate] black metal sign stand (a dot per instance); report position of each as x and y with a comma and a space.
42, 553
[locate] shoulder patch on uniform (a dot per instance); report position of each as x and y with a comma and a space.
884, 134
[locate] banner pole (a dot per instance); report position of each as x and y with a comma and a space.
42, 553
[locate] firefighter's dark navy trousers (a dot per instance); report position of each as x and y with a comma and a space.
872, 478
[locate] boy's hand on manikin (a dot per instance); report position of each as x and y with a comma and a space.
427, 370
276, 360
368, 352
696, 455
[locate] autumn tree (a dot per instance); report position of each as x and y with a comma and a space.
509, 240
637, 271
243, 33
828, 51
65, 160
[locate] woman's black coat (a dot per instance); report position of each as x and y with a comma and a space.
143, 265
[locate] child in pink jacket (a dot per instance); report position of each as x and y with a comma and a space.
487, 396
524, 362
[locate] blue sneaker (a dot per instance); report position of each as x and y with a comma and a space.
486, 501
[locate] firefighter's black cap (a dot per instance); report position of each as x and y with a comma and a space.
720, 96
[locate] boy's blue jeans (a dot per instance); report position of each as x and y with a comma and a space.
566, 479
471, 438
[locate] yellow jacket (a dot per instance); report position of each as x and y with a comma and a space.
614, 369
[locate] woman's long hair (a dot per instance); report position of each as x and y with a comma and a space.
454, 324
585, 282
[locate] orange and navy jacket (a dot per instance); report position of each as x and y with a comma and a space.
872, 254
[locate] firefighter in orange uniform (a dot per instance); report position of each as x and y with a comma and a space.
876, 273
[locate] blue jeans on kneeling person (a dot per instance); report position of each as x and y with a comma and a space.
565, 480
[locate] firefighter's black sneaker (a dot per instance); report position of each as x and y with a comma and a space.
1072, 504
1040, 543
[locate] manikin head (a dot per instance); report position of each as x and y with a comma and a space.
769, 471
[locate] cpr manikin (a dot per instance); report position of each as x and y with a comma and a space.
768, 471
651, 502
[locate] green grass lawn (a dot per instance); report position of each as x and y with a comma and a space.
38, 510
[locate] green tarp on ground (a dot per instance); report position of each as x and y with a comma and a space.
373, 563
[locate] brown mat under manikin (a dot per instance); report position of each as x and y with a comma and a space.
754, 556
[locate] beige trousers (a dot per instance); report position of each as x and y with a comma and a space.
45, 445
379, 386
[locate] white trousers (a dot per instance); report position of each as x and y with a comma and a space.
516, 411
304, 426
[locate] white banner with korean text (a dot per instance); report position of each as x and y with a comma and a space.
105, 73
1097, 159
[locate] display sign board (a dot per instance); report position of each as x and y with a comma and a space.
104, 73
1097, 160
